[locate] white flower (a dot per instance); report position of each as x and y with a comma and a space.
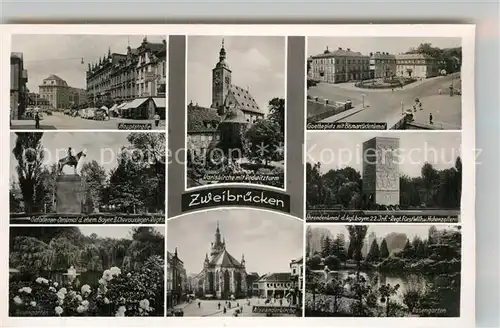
26, 290
81, 309
144, 304
115, 271
102, 281
86, 289
79, 298
85, 303
33, 303
120, 314
58, 310
60, 295
56, 284
106, 275
72, 294
129, 275
52, 289
63, 290
121, 311
18, 300
41, 280
106, 300
60, 302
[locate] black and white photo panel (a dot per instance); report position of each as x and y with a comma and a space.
236, 89
87, 178
383, 177
93, 271
398, 270
88, 82
236, 263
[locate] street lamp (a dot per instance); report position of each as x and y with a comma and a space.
402, 107
363, 96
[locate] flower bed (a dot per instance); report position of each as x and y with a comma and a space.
385, 83
134, 293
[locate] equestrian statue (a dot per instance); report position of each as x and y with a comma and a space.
70, 160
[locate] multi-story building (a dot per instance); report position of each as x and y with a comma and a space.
77, 96
382, 65
35, 101
176, 279
340, 66
18, 80
416, 66
273, 285
57, 91
134, 82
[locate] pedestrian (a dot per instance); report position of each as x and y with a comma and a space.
157, 119
420, 105
281, 302
199, 304
430, 118
440, 91
229, 304
218, 305
224, 310
37, 121
238, 304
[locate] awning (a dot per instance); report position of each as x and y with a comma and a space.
160, 102
135, 103
113, 108
104, 108
122, 105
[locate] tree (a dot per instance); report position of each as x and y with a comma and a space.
326, 247
374, 252
357, 234
408, 251
431, 235
384, 251
29, 153
94, 176
277, 113
332, 262
15, 199
264, 142
338, 249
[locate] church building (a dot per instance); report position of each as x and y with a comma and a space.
222, 276
232, 111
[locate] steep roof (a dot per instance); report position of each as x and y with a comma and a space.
413, 56
234, 115
54, 77
339, 53
224, 259
242, 97
202, 119
276, 276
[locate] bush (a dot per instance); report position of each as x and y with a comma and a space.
332, 262
139, 293
314, 263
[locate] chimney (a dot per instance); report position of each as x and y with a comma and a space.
371, 54
340, 48
348, 49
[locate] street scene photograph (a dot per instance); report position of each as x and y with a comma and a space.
383, 270
87, 271
96, 82
57, 177
403, 82
235, 110
380, 176
235, 263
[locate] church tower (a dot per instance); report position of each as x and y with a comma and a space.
217, 245
221, 81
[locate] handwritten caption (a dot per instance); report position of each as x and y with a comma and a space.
135, 126
274, 309
346, 126
390, 218
56, 219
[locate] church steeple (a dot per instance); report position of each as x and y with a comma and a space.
217, 235
222, 52
243, 260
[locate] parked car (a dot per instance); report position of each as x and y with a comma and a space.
99, 116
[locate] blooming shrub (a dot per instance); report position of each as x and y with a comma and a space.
137, 293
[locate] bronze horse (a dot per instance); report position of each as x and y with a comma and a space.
69, 160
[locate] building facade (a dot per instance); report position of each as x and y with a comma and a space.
382, 65
35, 101
233, 109
56, 91
176, 280
381, 171
297, 278
419, 66
77, 96
273, 285
18, 91
222, 277
340, 66
117, 78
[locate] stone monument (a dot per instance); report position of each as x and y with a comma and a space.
70, 191
381, 171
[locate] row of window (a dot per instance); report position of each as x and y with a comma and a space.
340, 61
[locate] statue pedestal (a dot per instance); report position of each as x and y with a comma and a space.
69, 194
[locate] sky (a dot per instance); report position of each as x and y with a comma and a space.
338, 150
62, 54
269, 241
257, 62
95, 143
381, 231
365, 45
113, 231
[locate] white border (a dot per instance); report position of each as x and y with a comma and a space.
466, 31
233, 184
